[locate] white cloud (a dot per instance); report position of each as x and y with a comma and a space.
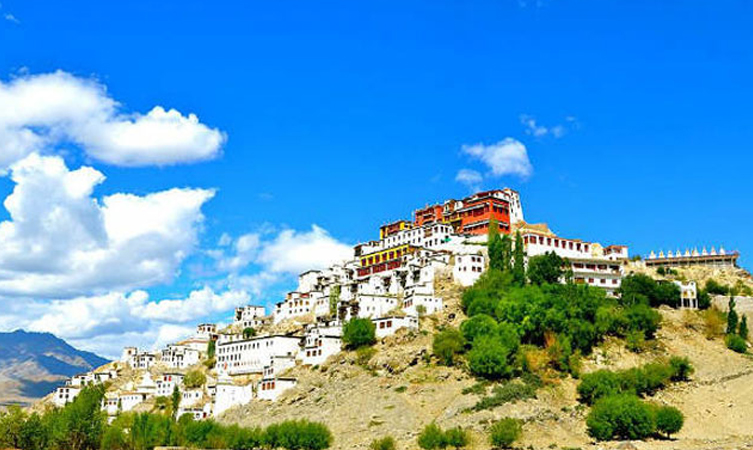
289, 252
470, 178
507, 157
60, 241
11, 18
107, 323
535, 129
40, 112
293, 251
257, 261
197, 304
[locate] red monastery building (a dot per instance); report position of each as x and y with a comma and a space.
473, 214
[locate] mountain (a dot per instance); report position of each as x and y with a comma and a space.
33, 364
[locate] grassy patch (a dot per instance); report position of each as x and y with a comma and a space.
509, 392
477, 389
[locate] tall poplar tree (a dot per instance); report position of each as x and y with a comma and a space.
495, 247
518, 268
506, 253
732, 317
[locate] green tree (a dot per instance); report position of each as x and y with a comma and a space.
447, 344
80, 425
495, 247
506, 253
11, 427
175, 401
546, 268
211, 348
704, 299
248, 333
505, 432
478, 325
34, 433
334, 299
641, 317
359, 333
732, 317
669, 420
743, 330
194, 379
490, 359
518, 267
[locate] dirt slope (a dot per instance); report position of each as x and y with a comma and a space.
398, 393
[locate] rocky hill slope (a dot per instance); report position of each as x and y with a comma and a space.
398, 391
33, 364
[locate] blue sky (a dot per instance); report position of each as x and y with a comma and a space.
348, 114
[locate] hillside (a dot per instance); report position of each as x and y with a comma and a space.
33, 364
398, 392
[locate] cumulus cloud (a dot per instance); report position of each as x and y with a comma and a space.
257, 261
197, 304
535, 129
297, 251
285, 252
62, 241
108, 322
507, 157
41, 112
470, 178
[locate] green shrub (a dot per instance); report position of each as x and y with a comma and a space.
447, 344
652, 377
505, 432
432, 437
248, 333
669, 420
298, 435
456, 437
385, 443
620, 417
736, 343
635, 341
644, 380
478, 325
644, 318
489, 359
682, 369
713, 287
511, 391
596, 385
364, 355
477, 388
359, 333
194, 379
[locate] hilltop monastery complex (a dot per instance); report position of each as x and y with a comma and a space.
390, 281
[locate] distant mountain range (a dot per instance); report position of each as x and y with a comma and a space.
33, 364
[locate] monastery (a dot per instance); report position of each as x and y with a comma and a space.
389, 281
